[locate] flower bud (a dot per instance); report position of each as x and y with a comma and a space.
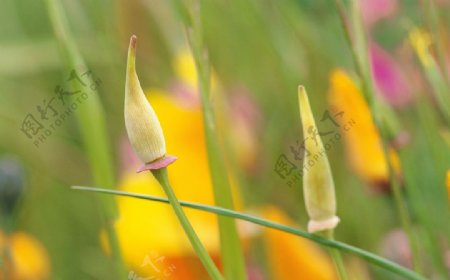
142, 124
318, 185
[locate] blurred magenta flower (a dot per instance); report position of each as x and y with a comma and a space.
388, 76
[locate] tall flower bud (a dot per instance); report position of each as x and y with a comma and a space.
142, 124
318, 185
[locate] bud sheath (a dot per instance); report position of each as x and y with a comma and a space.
318, 185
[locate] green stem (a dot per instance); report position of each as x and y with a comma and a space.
402, 210
360, 48
230, 247
346, 26
361, 51
161, 176
370, 257
92, 125
115, 246
433, 25
337, 257
437, 71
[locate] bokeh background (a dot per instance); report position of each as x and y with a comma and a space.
260, 51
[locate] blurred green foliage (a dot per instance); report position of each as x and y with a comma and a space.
267, 46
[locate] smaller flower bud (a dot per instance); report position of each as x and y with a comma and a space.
142, 124
318, 185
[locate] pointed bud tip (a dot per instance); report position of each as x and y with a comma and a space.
133, 41
132, 54
303, 99
301, 93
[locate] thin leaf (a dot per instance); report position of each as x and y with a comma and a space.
370, 257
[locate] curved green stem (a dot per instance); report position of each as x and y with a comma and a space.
370, 257
161, 176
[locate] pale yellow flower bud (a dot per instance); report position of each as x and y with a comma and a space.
318, 185
142, 124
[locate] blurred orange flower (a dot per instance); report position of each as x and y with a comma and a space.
27, 259
362, 140
293, 257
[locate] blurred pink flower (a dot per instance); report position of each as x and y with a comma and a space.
128, 159
185, 94
395, 246
388, 76
244, 124
254, 272
443, 2
375, 10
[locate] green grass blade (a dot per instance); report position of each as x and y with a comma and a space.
92, 124
369, 257
230, 247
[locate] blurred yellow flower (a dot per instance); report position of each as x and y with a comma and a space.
184, 66
293, 257
145, 228
237, 113
28, 258
363, 143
